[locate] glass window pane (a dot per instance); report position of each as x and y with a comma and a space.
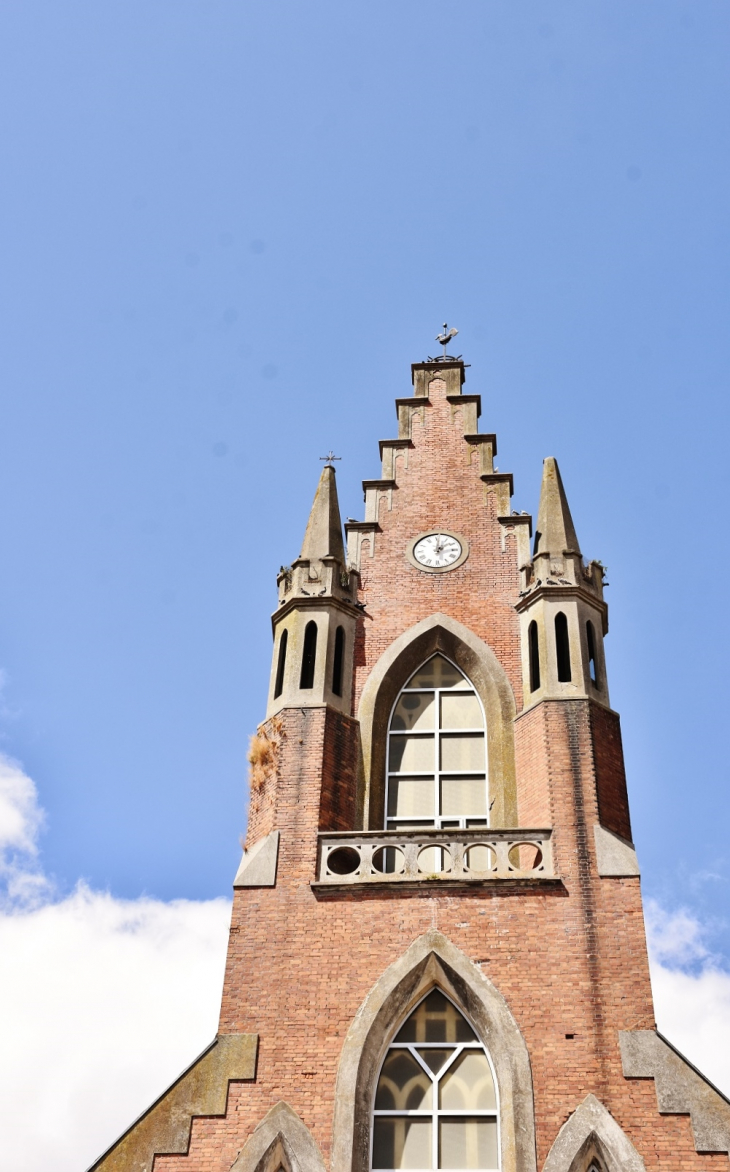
461, 710
411, 754
468, 1143
410, 797
414, 710
437, 673
402, 1143
463, 795
468, 1084
435, 1059
403, 1084
462, 752
436, 1020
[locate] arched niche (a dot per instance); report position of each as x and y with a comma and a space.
432, 961
477, 661
591, 1138
280, 1141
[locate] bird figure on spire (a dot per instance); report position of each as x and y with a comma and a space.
445, 337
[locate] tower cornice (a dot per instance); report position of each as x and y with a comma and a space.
403, 442
314, 602
460, 400
412, 401
499, 478
450, 364
556, 592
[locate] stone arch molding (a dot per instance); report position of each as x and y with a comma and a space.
478, 661
591, 1136
280, 1140
432, 961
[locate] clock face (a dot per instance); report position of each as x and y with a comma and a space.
437, 550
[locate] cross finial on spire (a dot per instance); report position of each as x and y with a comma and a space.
330, 458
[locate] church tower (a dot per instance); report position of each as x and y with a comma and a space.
437, 954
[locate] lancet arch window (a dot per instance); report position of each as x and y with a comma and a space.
534, 652
281, 664
435, 1100
309, 656
562, 648
437, 753
338, 661
592, 663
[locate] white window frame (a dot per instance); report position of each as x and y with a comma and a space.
439, 821
435, 1113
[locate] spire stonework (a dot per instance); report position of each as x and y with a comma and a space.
316, 593
564, 616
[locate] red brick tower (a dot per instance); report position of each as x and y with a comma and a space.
437, 955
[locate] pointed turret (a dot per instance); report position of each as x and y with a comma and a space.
323, 536
555, 533
314, 627
564, 617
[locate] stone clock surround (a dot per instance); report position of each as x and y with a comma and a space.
410, 555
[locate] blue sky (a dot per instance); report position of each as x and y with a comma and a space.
227, 230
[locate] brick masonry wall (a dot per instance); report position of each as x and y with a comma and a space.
569, 960
440, 488
339, 772
613, 798
289, 799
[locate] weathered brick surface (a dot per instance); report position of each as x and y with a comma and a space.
613, 798
339, 772
569, 961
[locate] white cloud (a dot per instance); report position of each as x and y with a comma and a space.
103, 1001
691, 991
20, 815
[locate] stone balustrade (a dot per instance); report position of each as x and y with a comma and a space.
480, 855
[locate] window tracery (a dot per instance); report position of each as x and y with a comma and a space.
436, 1097
437, 767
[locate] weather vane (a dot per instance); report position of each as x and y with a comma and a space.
444, 338
330, 458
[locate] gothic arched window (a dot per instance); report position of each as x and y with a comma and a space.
437, 752
562, 647
592, 666
309, 656
533, 642
281, 664
338, 661
436, 1099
